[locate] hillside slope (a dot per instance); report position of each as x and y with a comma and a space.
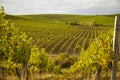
56, 34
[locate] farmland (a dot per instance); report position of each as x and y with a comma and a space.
63, 33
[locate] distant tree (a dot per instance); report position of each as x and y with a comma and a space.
74, 23
1, 9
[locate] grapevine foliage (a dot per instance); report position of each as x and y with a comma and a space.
39, 58
98, 54
15, 47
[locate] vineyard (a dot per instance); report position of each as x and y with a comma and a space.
63, 33
59, 47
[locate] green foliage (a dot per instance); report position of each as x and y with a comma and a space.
13, 43
1, 9
98, 54
57, 69
15, 47
74, 23
22, 49
39, 58
63, 56
65, 60
74, 58
8, 38
7, 34
52, 68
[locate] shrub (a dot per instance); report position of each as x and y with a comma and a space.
57, 69
52, 68
64, 60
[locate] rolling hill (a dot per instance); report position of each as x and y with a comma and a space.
59, 33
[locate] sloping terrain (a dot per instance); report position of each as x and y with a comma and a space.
59, 33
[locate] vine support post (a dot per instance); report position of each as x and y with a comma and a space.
115, 47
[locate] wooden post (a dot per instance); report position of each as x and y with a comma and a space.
115, 47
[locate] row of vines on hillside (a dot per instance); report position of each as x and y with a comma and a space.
70, 40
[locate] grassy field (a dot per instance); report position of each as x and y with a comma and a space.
59, 33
